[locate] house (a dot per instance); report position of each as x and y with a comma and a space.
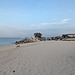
68, 35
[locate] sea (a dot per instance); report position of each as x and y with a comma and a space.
8, 41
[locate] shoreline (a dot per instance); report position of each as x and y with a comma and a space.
32, 43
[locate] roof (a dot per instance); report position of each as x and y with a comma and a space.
68, 34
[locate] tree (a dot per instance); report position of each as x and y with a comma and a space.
52, 38
38, 35
64, 36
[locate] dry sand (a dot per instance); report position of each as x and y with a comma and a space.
40, 58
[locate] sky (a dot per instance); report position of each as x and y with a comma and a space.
22, 18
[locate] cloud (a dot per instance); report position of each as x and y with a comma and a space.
48, 23
61, 22
66, 20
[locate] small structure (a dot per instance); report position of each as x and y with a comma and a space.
68, 35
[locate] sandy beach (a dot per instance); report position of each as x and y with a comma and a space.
39, 58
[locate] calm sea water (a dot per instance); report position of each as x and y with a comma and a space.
8, 41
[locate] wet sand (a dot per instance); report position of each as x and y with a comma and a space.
39, 58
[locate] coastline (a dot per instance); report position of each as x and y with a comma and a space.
38, 58
8, 41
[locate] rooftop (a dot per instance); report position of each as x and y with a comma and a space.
68, 34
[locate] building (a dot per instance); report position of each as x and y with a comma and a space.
68, 35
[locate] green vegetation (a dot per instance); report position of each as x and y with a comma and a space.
38, 35
52, 38
64, 36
